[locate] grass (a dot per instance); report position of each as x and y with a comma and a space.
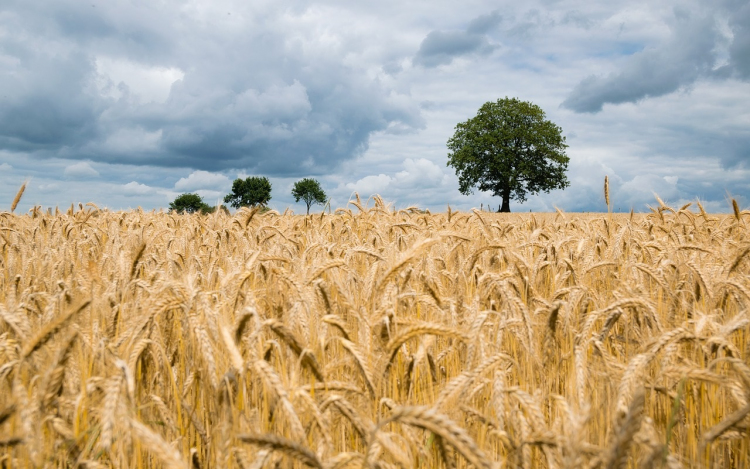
374, 338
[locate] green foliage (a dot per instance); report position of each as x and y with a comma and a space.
190, 203
510, 149
310, 191
249, 192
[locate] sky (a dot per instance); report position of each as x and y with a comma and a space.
131, 103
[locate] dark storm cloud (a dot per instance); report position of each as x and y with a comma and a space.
740, 48
730, 147
484, 23
441, 47
136, 31
690, 54
46, 101
251, 96
651, 72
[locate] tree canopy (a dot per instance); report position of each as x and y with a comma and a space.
189, 203
310, 191
249, 192
509, 149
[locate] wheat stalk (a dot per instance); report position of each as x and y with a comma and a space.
606, 192
449, 431
50, 330
286, 446
154, 442
18, 196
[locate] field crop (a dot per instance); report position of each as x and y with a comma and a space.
374, 338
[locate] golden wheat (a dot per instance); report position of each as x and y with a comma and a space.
380, 338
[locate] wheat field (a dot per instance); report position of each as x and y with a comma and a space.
371, 337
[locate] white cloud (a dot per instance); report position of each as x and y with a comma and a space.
129, 140
51, 187
80, 170
117, 76
419, 173
641, 190
211, 197
5, 167
198, 180
370, 185
134, 188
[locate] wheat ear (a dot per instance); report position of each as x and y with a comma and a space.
717, 430
415, 251
10, 442
464, 380
736, 210
234, 353
7, 413
606, 190
617, 453
338, 323
111, 402
738, 259
274, 384
50, 330
156, 444
359, 359
346, 409
54, 386
306, 357
17, 198
329, 386
289, 447
417, 330
431, 420
343, 460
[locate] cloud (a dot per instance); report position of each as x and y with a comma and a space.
418, 174
578, 19
46, 188
484, 23
653, 72
134, 189
441, 47
145, 82
5, 167
202, 180
80, 170
210, 196
343, 91
420, 182
740, 49
260, 90
48, 102
693, 51
642, 188
370, 185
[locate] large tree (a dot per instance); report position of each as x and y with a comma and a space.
509, 149
310, 191
249, 192
189, 203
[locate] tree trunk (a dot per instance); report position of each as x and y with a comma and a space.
506, 202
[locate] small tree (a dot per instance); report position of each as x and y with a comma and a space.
249, 192
310, 191
189, 203
510, 149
